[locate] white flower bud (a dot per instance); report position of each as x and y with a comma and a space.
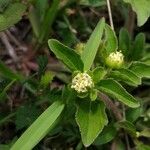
82, 82
115, 60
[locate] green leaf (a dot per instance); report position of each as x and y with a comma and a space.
93, 94
127, 76
11, 15
128, 126
46, 79
98, 74
91, 47
124, 41
42, 61
138, 47
141, 7
106, 135
141, 69
39, 128
93, 3
8, 73
132, 114
48, 20
69, 57
25, 115
145, 133
3, 93
111, 44
142, 146
115, 89
4, 4
91, 119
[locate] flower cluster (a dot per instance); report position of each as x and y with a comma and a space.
82, 82
115, 59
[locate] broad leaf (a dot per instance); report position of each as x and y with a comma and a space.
115, 89
39, 128
106, 135
91, 119
69, 57
98, 74
111, 40
127, 76
92, 45
141, 69
141, 7
11, 15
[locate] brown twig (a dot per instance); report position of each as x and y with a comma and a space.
110, 105
15, 41
110, 14
8, 46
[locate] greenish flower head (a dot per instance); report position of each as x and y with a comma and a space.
115, 60
82, 82
79, 48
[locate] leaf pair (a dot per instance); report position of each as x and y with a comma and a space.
71, 59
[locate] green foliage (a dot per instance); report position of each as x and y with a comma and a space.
93, 3
127, 76
141, 69
138, 47
25, 116
124, 41
98, 74
106, 135
128, 126
66, 54
141, 7
8, 73
11, 15
116, 90
89, 116
3, 5
111, 44
92, 45
40, 127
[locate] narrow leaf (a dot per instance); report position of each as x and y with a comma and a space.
69, 57
124, 41
39, 128
111, 40
91, 119
115, 89
92, 45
